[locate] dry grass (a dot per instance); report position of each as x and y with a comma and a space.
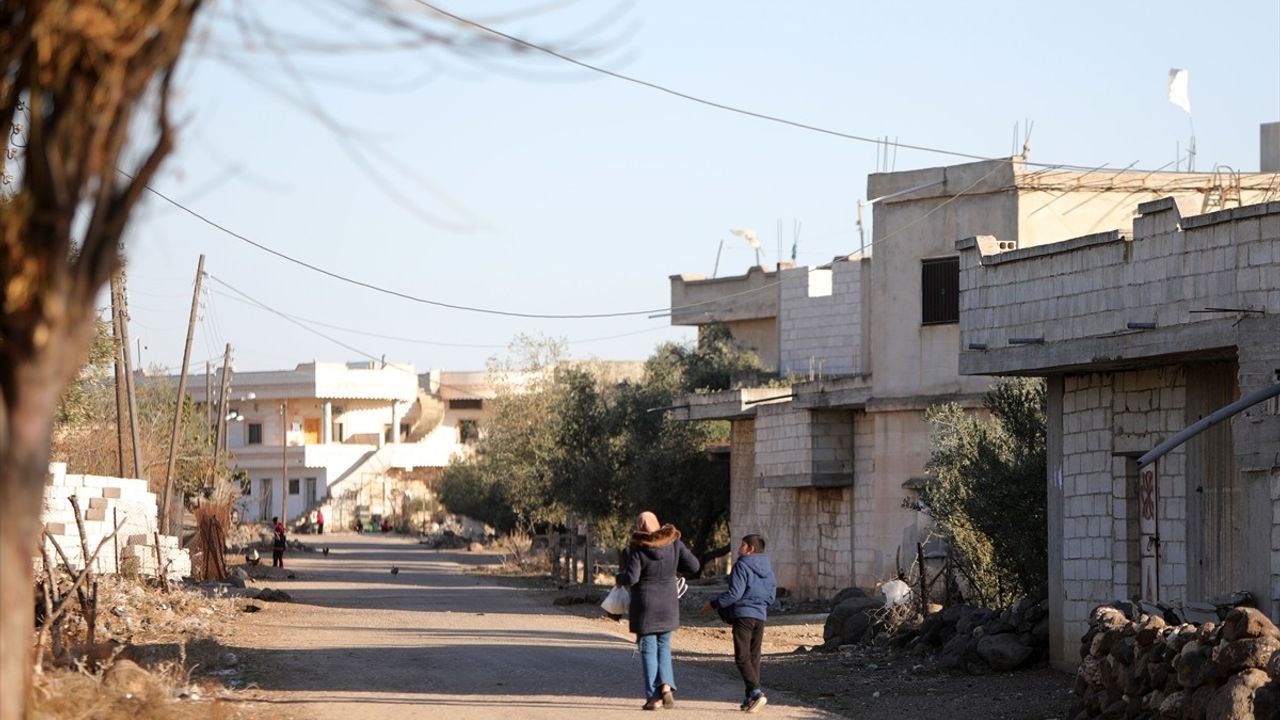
171, 636
162, 694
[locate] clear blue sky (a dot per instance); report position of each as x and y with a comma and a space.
563, 191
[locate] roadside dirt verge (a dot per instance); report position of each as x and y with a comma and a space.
857, 681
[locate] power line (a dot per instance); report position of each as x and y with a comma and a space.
414, 298
244, 298
394, 293
712, 103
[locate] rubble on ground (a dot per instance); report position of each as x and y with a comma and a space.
458, 532
960, 637
1146, 667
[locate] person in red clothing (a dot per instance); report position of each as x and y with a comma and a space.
319, 521
277, 543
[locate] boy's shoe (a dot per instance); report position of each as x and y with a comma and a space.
746, 703
757, 701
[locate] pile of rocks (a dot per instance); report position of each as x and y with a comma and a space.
960, 637
1144, 667
978, 640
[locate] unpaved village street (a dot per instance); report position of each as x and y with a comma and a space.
435, 641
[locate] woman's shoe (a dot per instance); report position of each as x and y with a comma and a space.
668, 699
654, 704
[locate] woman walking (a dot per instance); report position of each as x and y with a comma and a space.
655, 556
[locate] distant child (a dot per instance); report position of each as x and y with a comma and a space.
277, 543
752, 588
319, 522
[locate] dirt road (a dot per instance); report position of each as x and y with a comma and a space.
434, 641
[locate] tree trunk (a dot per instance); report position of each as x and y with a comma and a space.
29, 390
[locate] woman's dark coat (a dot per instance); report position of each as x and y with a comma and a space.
650, 570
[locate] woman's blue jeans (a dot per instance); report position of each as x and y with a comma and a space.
655, 657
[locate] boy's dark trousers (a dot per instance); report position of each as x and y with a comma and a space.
748, 634
277, 557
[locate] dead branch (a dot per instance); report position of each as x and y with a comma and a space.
84, 539
49, 628
160, 566
81, 575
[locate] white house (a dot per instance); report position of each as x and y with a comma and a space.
360, 440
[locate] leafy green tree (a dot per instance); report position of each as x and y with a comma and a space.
987, 495
561, 440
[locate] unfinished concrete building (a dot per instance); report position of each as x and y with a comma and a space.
822, 467
1140, 334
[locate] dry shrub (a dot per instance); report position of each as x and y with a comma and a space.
213, 521
519, 557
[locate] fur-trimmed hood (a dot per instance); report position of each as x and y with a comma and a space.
661, 537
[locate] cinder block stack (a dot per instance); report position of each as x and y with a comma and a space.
102, 500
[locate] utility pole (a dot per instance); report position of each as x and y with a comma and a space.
167, 496
120, 372
130, 395
222, 410
208, 394
284, 462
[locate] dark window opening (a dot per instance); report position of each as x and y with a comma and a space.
293, 486
255, 434
466, 404
940, 291
468, 431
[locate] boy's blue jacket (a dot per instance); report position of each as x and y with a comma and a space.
751, 588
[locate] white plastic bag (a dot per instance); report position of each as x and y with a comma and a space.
896, 592
618, 601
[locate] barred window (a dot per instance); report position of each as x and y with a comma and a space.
940, 291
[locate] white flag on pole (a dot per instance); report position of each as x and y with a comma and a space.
750, 236
1178, 88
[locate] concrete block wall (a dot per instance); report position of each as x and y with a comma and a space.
1256, 432
834, 511
821, 318
1087, 495
1107, 420
892, 447
783, 441
102, 500
809, 530
831, 441
1094, 285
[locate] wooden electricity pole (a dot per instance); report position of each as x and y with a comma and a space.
208, 394
284, 462
131, 397
120, 372
167, 495
221, 416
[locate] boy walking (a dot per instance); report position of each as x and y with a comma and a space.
752, 588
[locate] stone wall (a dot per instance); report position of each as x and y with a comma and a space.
821, 319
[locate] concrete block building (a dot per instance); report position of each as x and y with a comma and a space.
1140, 334
871, 341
